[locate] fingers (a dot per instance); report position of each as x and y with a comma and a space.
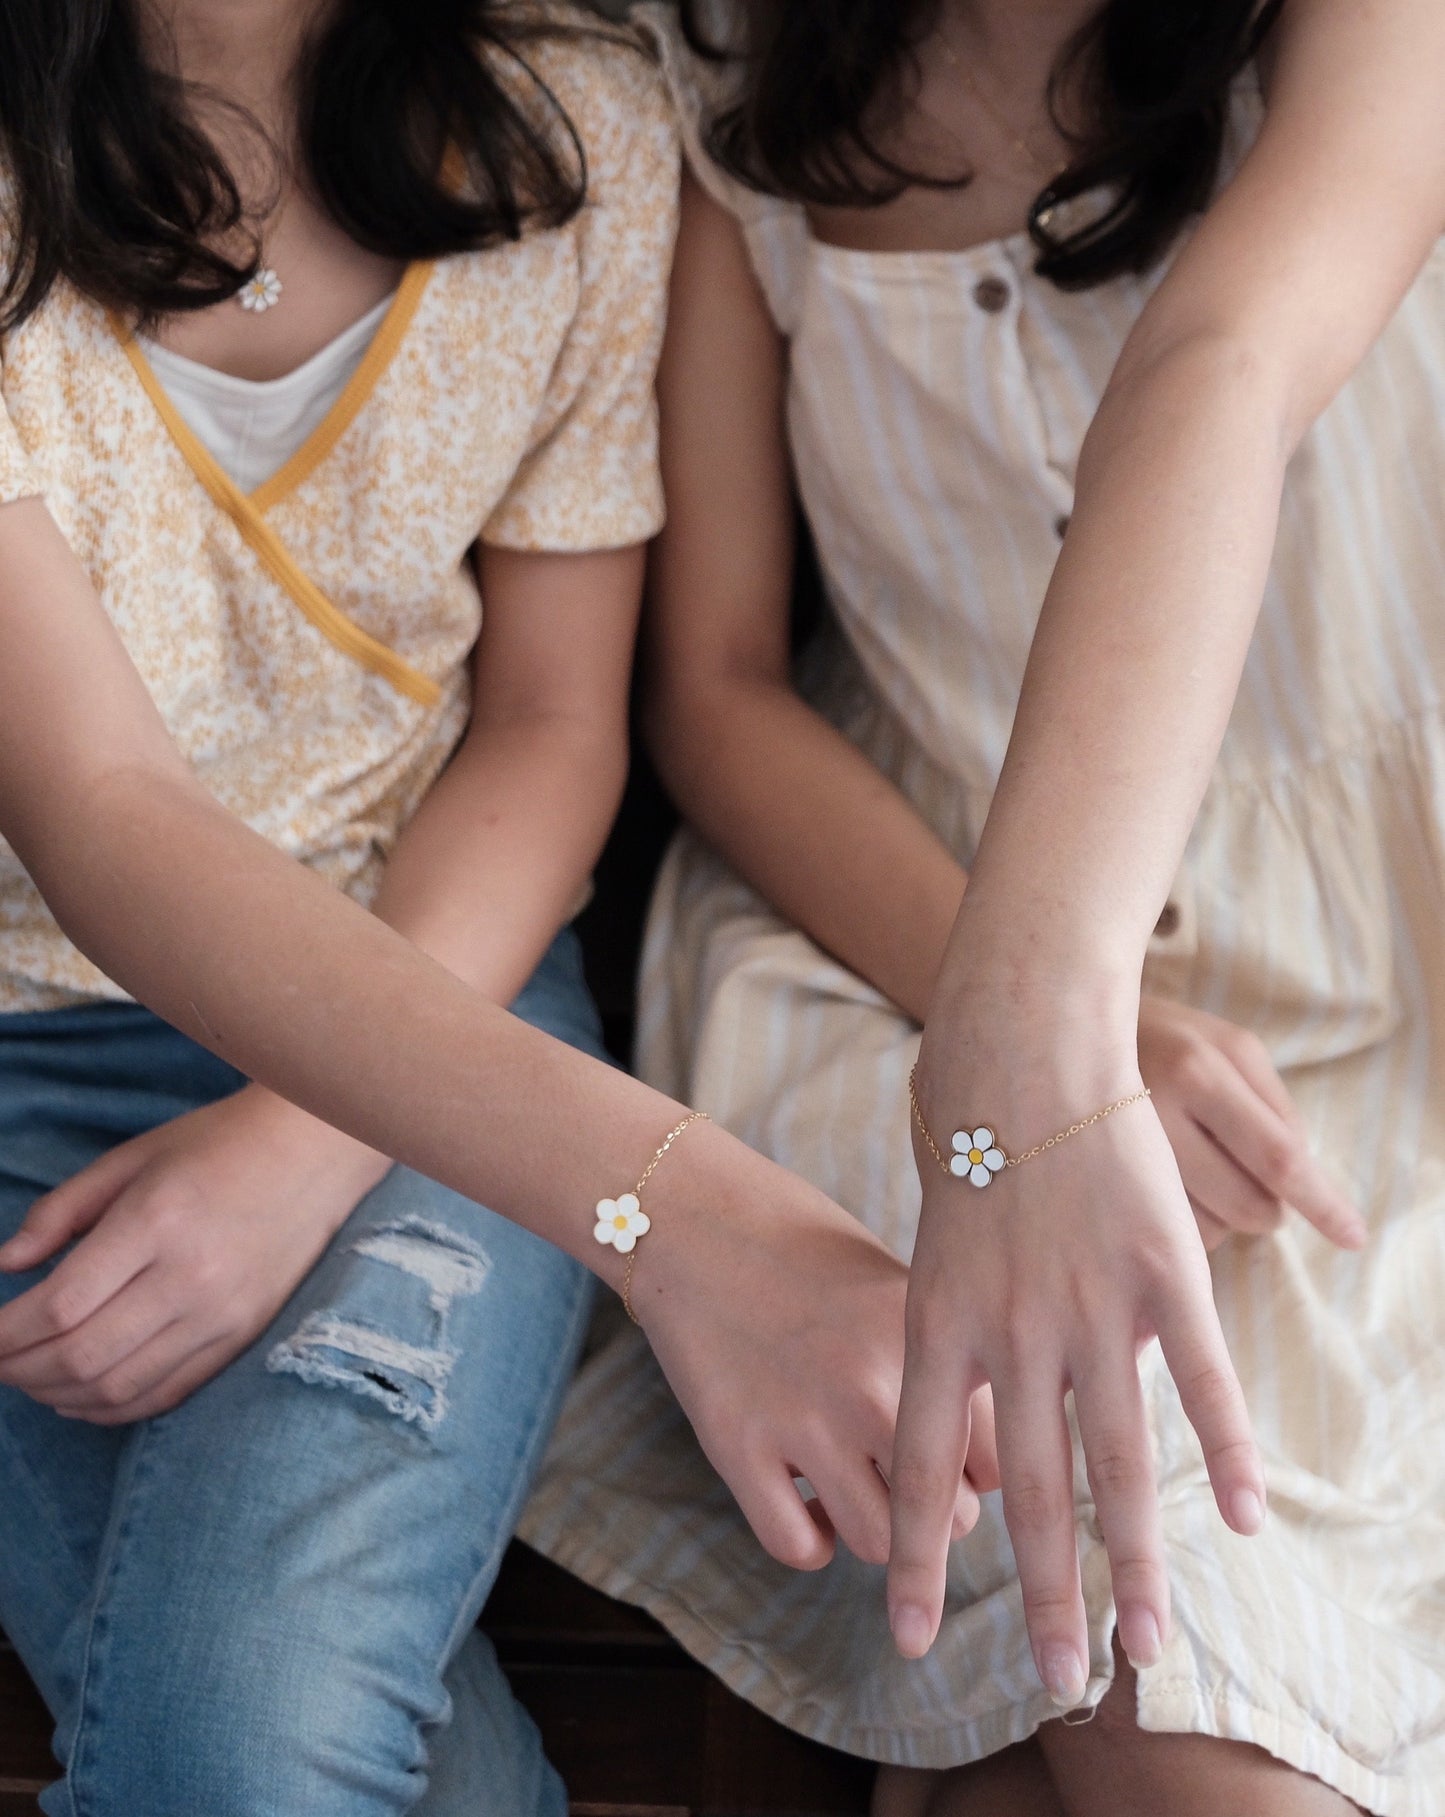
80, 1358
1212, 1233
928, 1457
112, 1405
1217, 1184
1213, 1401
99, 1266
1036, 1462
983, 1444
1109, 1406
768, 1497
64, 1214
856, 1503
1272, 1149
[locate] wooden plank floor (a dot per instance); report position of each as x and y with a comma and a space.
634, 1727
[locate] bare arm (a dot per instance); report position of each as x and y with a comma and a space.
1131, 681
300, 988
803, 815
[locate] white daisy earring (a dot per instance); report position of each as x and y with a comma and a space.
260, 292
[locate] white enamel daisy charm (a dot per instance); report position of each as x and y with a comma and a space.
261, 292
976, 1157
620, 1222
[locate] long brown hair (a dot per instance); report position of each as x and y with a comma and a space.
823, 79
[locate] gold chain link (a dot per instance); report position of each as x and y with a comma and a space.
697, 1116
1074, 1129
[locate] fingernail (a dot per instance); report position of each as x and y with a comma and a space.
1246, 1511
1063, 1674
912, 1631
1144, 1645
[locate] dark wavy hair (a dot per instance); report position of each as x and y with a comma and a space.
116, 188
825, 79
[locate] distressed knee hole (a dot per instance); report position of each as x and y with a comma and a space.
450, 1265
385, 1335
336, 1353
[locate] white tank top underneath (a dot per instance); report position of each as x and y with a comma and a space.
252, 427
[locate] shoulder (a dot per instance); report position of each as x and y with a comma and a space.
605, 78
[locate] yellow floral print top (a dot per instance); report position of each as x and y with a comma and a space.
308, 644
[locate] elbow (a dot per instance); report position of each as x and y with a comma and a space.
1256, 390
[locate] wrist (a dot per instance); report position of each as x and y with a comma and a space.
281, 1123
1080, 961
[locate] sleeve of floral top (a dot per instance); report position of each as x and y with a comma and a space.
590, 479
18, 478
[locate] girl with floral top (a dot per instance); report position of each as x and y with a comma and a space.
321, 326
1133, 312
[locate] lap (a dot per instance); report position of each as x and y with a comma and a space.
315, 1528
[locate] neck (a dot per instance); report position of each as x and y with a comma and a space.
243, 51
1019, 35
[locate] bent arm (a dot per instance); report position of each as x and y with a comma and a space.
1142, 640
493, 862
796, 808
252, 955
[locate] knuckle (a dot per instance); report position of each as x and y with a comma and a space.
796, 1552
1047, 1606
115, 1391
78, 1359
1233, 1457
1196, 1067
1283, 1163
918, 1484
60, 1313
1211, 1390
1033, 1507
1137, 1576
1117, 1469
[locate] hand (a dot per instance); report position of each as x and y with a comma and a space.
1236, 1134
1054, 1278
192, 1238
779, 1322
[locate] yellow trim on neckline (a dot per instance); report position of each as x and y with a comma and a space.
247, 513
359, 387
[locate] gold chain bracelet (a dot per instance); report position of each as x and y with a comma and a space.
977, 1155
621, 1222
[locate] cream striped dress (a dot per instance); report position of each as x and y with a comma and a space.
937, 404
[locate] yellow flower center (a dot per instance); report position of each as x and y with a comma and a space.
619, 1222
975, 1155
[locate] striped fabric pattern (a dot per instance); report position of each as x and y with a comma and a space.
937, 406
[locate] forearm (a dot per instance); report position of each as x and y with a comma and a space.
1130, 682
493, 863
814, 827
307, 993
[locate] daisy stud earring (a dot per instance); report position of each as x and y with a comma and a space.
261, 291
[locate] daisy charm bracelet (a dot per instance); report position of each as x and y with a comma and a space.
622, 1221
977, 1156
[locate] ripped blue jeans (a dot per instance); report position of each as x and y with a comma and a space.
264, 1603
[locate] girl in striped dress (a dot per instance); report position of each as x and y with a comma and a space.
1189, 399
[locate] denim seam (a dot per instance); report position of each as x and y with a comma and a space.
522, 1478
134, 1471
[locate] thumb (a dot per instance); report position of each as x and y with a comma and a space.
72, 1209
